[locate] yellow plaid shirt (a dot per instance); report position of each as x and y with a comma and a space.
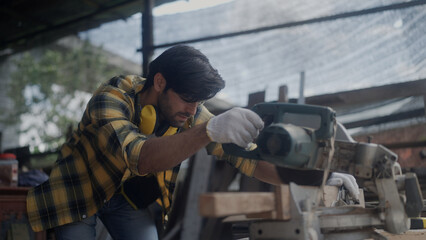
101, 154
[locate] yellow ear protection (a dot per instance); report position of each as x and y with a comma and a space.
149, 123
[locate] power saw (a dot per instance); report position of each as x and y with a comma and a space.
308, 137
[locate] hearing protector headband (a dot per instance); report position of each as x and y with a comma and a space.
149, 123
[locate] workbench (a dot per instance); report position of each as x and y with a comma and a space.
13, 215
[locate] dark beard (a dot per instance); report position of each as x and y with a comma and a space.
165, 112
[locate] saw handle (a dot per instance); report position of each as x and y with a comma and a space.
274, 113
235, 150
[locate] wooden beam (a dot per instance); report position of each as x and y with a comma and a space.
409, 235
368, 95
228, 203
282, 205
267, 205
282, 202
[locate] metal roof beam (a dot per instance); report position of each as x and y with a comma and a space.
369, 95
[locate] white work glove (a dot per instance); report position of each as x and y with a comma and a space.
347, 180
238, 125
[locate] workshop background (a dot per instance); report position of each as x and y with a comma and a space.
364, 58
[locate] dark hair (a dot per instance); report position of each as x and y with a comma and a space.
188, 72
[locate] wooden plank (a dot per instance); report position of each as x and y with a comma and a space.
215, 228
282, 202
368, 95
228, 203
266, 205
409, 235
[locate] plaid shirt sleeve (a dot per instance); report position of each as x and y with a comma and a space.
112, 111
93, 162
244, 165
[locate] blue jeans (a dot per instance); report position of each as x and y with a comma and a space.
121, 220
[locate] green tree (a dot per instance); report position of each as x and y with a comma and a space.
50, 92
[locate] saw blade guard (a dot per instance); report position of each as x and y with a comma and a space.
292, 135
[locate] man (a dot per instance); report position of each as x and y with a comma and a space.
126, 154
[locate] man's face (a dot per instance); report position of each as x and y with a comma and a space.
174, 109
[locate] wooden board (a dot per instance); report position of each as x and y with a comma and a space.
409, 235
228, 203
267, 205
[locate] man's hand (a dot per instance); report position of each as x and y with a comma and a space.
347, 180
238, 125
